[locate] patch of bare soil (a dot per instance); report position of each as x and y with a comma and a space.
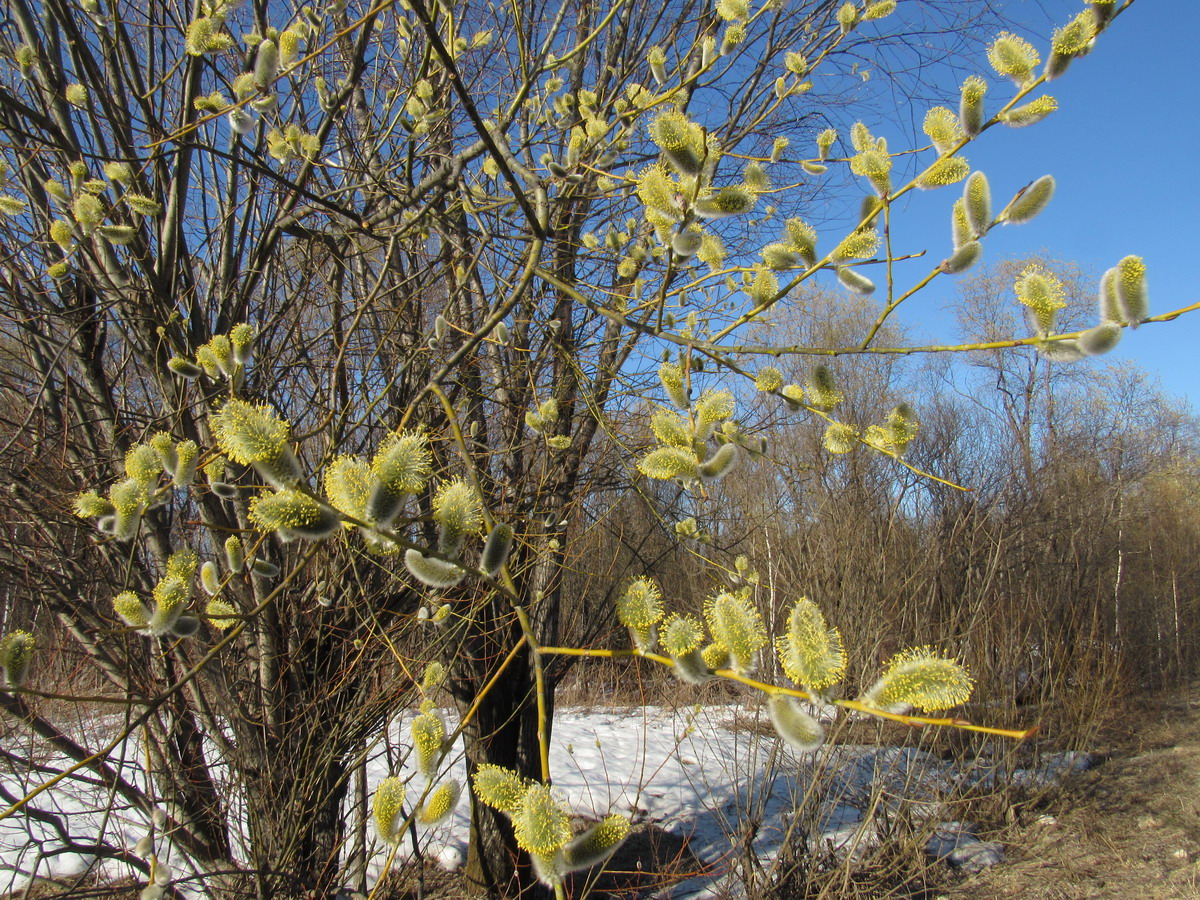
1128, 828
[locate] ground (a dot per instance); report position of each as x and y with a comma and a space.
1128, 828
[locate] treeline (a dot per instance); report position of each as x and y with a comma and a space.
1066, 572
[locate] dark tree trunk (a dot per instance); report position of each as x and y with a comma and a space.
296, 822
502, 731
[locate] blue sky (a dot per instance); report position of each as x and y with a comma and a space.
1123, 148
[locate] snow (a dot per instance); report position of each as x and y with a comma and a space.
697, 773
958, 845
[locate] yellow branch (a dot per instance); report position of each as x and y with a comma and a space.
767, 688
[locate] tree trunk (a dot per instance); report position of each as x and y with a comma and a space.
295, 820
503, 731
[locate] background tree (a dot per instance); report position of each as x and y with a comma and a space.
1038, 569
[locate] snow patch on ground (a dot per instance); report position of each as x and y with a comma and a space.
686, 771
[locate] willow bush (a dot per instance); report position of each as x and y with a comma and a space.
315, 318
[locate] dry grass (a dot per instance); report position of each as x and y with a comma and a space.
85, 888
1128, 828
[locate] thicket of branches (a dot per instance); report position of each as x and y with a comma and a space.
1067, 575
269, 271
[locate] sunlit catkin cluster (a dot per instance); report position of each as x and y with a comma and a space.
1123, 302
166, 611
119, 514
16, 655
224, 357
430, 743
810, 653
542, 825
85, 208
685, 433
254, 453
365, 494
